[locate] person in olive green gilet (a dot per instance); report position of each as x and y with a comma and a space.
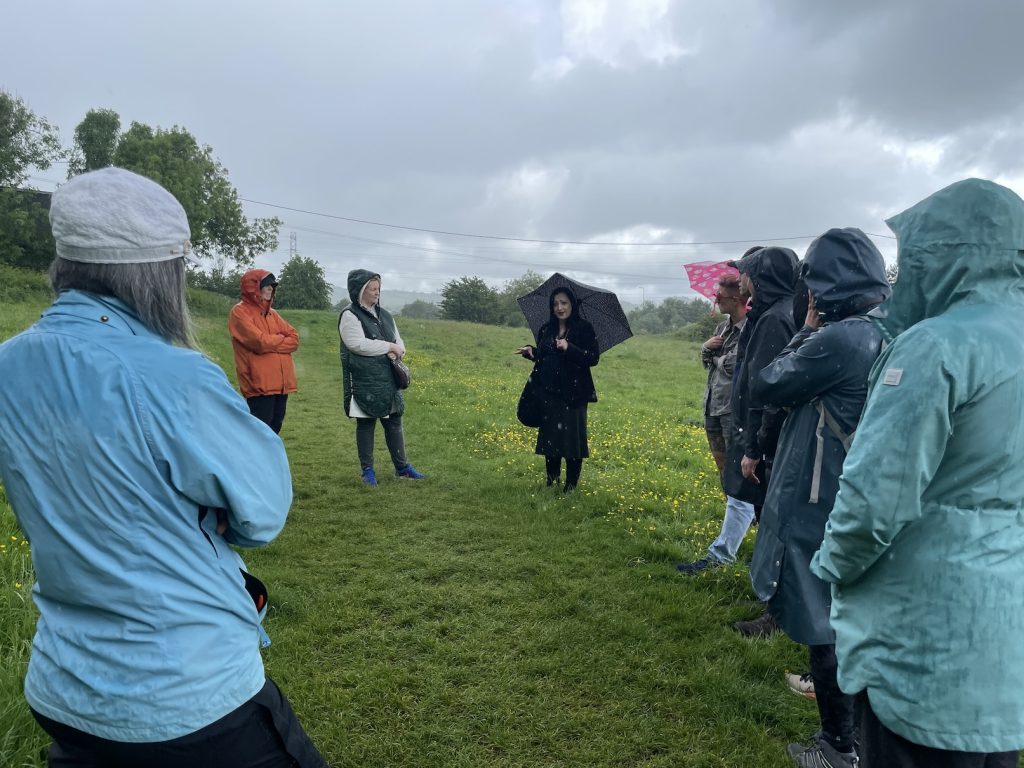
369, 340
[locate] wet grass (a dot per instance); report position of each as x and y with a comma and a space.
478, 618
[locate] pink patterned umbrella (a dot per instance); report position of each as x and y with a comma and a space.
704, 276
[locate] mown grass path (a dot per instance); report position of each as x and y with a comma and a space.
479, 618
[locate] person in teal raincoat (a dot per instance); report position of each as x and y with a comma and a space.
925, 544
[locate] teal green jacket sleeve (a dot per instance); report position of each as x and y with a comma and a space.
898, 447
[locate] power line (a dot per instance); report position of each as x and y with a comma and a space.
525, 239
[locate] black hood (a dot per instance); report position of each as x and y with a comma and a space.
771, 272
845, 273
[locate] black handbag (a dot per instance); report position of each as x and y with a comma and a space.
401, 373
530, 405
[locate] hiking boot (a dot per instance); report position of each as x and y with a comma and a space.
763, 626
802, 685
692, 569
369, 477
821, 754
409, 473
553, 479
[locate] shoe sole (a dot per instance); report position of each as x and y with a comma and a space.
804, 694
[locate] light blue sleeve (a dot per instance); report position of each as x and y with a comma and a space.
898, 447
213, 451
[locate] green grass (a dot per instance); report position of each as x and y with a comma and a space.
479, 618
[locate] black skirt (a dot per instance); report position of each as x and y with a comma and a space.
563, 428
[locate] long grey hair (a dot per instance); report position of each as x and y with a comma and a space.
154, 290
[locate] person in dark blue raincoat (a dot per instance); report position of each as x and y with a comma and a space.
822, 375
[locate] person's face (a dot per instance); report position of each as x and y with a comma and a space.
728, 301
561, 306
371, 292
267, 292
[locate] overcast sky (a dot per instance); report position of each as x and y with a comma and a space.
623, 121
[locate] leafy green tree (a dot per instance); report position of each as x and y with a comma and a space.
513, 289
420, 310
189, 171
218, 279
26, 142
302, 285
671, 315
472, 300
95, 141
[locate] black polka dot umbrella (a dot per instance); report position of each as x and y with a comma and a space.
599, 307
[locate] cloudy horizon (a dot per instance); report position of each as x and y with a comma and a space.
635, 122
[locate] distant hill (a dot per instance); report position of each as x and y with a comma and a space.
392, 301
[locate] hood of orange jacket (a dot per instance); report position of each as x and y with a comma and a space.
250, 289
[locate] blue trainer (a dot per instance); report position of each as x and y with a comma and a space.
692, 569
409, 473
369, 477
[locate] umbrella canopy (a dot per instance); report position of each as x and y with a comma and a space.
597, 306
704, 276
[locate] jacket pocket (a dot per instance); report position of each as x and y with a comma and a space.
766, 568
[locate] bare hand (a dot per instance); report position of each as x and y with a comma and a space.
395, 352
813, 319
526, 352
561, 345
749, 469
715, 342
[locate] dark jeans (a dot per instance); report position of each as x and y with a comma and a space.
393, 436
835, 708
269, 409
262, 733
881, 748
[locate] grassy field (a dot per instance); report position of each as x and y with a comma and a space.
479, 618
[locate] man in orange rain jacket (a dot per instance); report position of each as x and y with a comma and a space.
263, 342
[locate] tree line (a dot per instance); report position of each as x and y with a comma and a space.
470, 299
173, 158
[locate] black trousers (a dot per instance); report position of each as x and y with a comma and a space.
881, 748
394, 436
573, 467
835, 708
262, 733
269, 409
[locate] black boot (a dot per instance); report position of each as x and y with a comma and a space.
553, 465
573, 467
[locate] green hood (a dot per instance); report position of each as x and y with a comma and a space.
963, 244
357, 278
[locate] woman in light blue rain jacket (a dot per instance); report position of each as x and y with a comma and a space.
131, 465
925, 544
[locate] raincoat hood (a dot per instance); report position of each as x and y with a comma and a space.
963, 244
771, 272
357, 280
250, 288
845, 273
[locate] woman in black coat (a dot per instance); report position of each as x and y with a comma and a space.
566, 350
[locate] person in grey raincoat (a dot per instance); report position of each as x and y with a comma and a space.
925, 545
822, 375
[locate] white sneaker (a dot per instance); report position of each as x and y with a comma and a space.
802, 685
